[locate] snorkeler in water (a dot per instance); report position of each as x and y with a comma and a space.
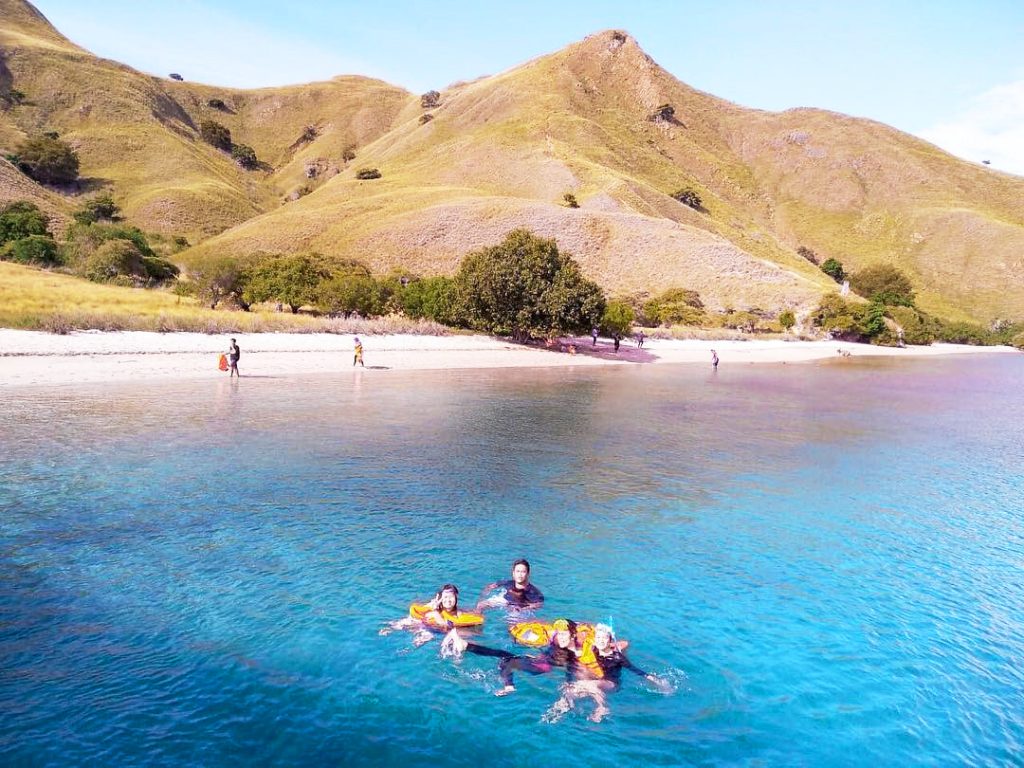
518, 591
561, 651
441, 614
596, 672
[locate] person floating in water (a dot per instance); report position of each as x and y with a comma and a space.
560, 652
714, 359
358, 358
233, 354
518, 591
596, 672
441, 614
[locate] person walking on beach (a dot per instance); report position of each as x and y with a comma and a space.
616, 339
640, 340
714, 359
593, 335
358, 358
233, 354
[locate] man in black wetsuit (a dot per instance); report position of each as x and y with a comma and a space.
560, 652
519, 592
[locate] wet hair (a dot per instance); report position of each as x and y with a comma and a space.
522, 561
448, 588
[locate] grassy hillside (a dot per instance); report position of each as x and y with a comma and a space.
501, 152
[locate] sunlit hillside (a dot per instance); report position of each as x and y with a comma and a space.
598, 120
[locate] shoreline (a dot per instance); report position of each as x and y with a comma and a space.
36, 358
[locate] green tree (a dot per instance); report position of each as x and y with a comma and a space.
293, 280
351, 292
570, 200
368, 173
885, 284
675, 306
96, 209
434, 298
115, 258
245, 156
834, 269
34, 249
787, 319
617, 319
526, 288
48, 160
22, 219
217, 278
215, 134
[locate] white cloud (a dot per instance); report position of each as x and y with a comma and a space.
991, 128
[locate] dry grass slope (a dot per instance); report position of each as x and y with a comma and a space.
501, 151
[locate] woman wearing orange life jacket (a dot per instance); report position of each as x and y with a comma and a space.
597, 672
442, 613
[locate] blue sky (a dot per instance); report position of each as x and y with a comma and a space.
952, 72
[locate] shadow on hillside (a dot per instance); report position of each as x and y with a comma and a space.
584, 347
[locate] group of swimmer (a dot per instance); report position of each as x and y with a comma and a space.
590, 654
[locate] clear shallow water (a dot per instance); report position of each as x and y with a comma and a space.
825, 560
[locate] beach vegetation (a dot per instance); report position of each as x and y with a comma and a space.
48, 160
22, 219
348, 287
293, 280
38, 250
526, 288
834, 269
218, 278
215, 134
114, 259
431, 298
787, 319
885, 284
617, 319
675, 306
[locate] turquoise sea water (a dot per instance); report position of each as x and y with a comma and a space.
825, 561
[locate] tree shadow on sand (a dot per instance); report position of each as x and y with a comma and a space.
584, 347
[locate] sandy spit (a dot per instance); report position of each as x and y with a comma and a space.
32, 358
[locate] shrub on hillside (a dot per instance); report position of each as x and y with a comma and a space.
48, 160
245, 156
98, 208
215, 134
664, 113
570, 200
348, 154
808, 254
787, 319
430, 99
617, 319
525, 287
115, 258
368, 173
22, 219
834, 269
917, 327
39, 250
217, 104
426, 118
84, 239
885, 284
14, 97
689, 197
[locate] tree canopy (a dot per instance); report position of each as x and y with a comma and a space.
526, 288
884, 284
48, 160
22, 219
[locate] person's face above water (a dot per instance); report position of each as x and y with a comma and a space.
449, 600
563, 638
520, 575
602, 639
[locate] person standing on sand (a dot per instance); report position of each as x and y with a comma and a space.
359, 354
616, 338
593, 335
233, 354
640, 340
714, 359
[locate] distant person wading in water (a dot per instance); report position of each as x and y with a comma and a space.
233, 354
358, 358
714, 359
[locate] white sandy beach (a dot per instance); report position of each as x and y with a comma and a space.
29, 358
